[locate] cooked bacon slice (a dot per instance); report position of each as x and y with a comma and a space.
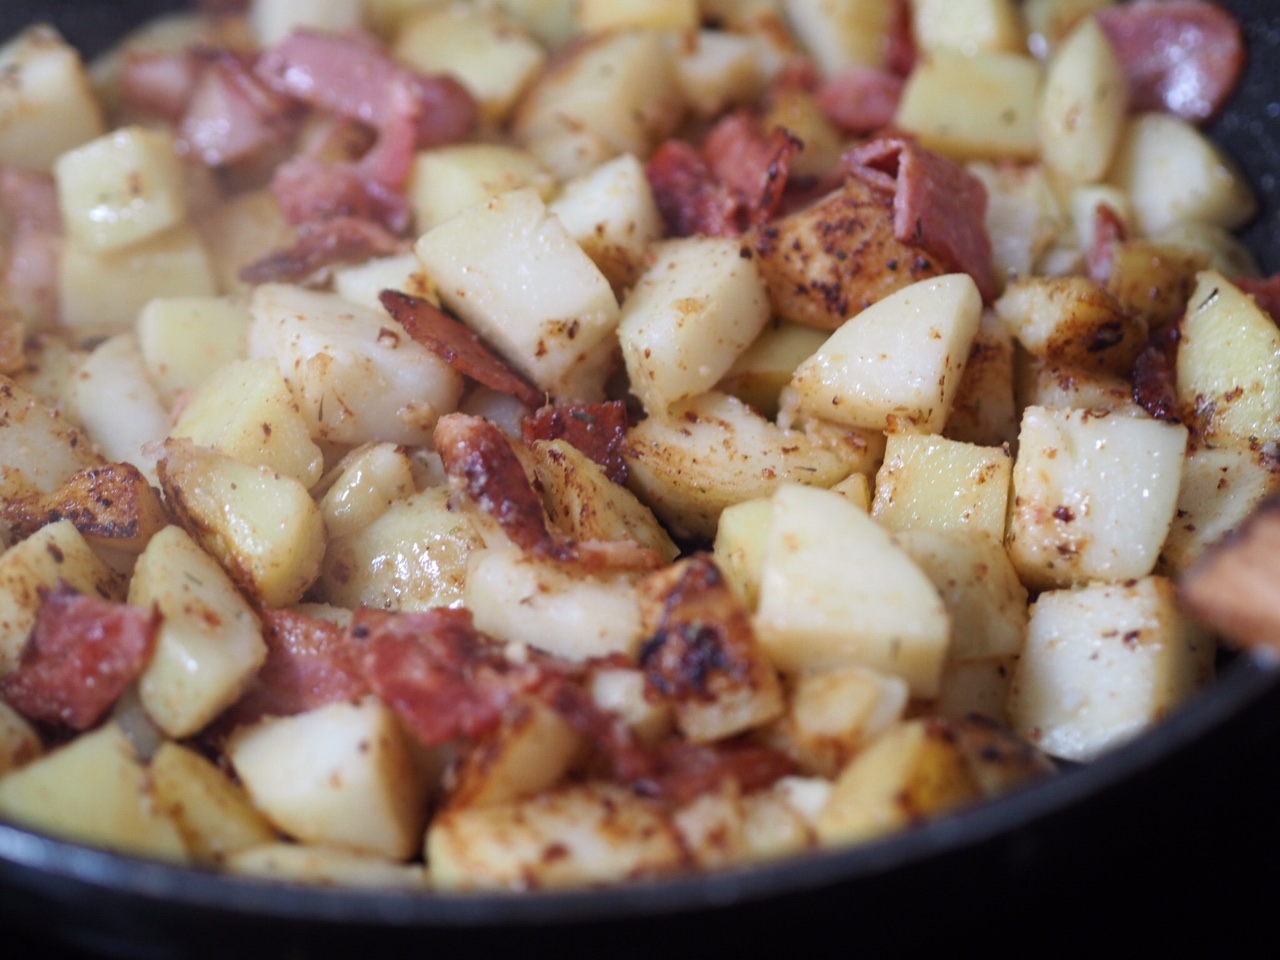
630, 760
231, 116
1108, 233
30, 271
160, 82
354, 79
458, 346
82, 654
1181, 56
692, 201
861, 99
902, 52
754, 166
687, 771
938, 206
309, 190
1265, 292
599, 430
323, 244
1155, 375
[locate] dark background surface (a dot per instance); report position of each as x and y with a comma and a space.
1186, 853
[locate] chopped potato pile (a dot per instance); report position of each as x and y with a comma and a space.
474, 445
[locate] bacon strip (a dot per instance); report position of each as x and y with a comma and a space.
599, 430
753, 165
30, 271
938, 206
1155, 375
458, 346
230, 116
320, 245
692, 201
160, 82
82, 654
861, 99
685, 771
1181, 56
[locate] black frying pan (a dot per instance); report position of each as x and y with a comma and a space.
1159, 835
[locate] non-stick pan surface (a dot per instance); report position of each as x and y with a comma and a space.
1160, 836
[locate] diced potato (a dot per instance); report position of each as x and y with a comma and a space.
692, 313
798, 110
274, 20
834, 713
240, 231
1104, 663
510, 270
364, 485
53, 554
212, 813
741, 539
529, 753
1049, 22
621, 690
897, 364
1172, 172
363, 283
772, 827
912, 773
120, 409
551, 21
1093, 495
766, 367
19, 742
967, 26
976, 688
983, 411
612, 214
342, 775
39, 449
184, 339
522, 599
711, 827
1152, 281
386, 17
589, 834
1084, 203
979, 587
1069, 388
124, 187
93, 791
981, 107
713, 452
47, 105
1084, 105
718, 68
245, 411
836, 591
611, 93
599, 15
210, 642
940, 484
1024, 215
1072, 321
413, 556
843, 33
827, 262
1228, 378
325, 867
485, 50
357, 376
1225, 252
103, 293
263, 527
447, 180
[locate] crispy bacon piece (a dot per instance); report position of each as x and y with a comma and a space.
902, 52
861, 99
458, 346
687, 771
599, 430
1181, 56
1108, 233
754, 166
356, 80
30, 271
160, 82
1265, 292
230, 115
692, 201
322, 244
1155, 375
82, 654
310, 662
938, 206
309, 190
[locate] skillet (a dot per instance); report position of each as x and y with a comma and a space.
1170, 816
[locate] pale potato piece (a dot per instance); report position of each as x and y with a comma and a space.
719, 68
967, 26
834, 713
385, 17
53, 554
363, 283
413, 556
842, 33
1084, 106
357, 376
510, 270
1025, 217
772, 827
691, 314
121, 188
897, 364
711, 827
245, 411
274, 20
522, 599
836, 591
575, 836
742, 537
621, 690
1093, 495
47, 105
117, 813
212, 813
930, 482
1104, 663
984, 411
976, 688
342, 775
713, 452
263, 527
552, 21
184, 339
240, 231
39, 448
968, 108
363, 486
325, 867
1049, 22
209, 645
446, 180
765, 368
19, 742
598, 15
1070, 388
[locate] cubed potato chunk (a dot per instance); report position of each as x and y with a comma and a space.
1084, 106
897, 365
597, 15
364, 485
765, 368
1093, 495
39, 449
342, 775
928, 481
93, 791
363, 283
47, 105
835, 591
984, 411
1104, 663
967, 26
210, 642
843, 33
510, 270
1072, 321
325, 867
274, 20
834, 713
184, 339
122, 188
719, 68
263, 527
239, 232
692, 313
447, 180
